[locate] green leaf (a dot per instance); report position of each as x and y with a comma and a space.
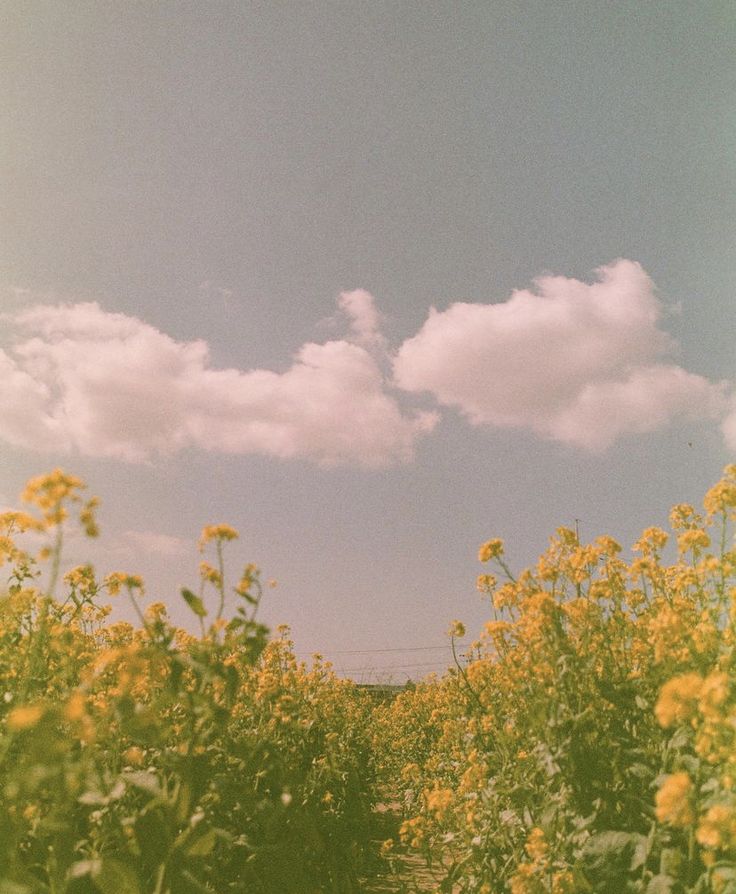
92, 798
725, 873
154, 838
194, 602
660, 884
202, 845
639, 771
640, 855
114, 877
147, 782
670, 861
610, 855
10, 887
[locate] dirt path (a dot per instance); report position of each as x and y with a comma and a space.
409, 873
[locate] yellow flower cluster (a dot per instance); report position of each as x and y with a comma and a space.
218, 533
588, 662
673, 800
585, 742
491, 549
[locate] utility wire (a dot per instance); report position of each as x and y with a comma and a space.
446, 647
385, 667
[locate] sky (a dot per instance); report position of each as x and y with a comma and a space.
371, 282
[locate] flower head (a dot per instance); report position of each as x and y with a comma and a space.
216, 532
491, 549
672, 801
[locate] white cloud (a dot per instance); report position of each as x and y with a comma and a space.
579, 363
729, 427
575, 362
105, 384
154, 543
365, 321
648, 398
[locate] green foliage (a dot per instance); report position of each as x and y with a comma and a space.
150, 760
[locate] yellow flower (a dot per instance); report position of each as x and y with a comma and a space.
722, 496
524, 880
506, 596
693, 539
20, 522
608, 545
672, 801
87, 517
683, 516
717, 828
456, 629
155, 612
713, 694
439, 800
210, 574
75, 707
536, 846
118, 579
48, 493
134, 755
491, 549
216, 532
563, 882
651, 540
678, 699
24, 717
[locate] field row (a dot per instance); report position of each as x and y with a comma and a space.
588, 746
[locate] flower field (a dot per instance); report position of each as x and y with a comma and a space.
585, 743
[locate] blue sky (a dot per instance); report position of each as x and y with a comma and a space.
370, 282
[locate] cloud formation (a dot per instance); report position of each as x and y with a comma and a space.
365, 321
728, 427
574, 362
580, 363
155, 543
108, 385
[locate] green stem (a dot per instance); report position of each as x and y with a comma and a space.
221, 585
56, 561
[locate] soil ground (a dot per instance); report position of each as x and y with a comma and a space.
409, 873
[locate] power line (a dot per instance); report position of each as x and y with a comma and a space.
385, 667
372, 651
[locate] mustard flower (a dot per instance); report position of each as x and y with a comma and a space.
219, 532
672, 801
678, 699
717, 829
117, 579
210, 574
491, 549
536, 846
24, 717
48, 493
456, 630
693, 539
651, 541
722, 496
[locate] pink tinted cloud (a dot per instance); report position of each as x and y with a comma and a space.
571, 361
365, 321
729, 427
79, 378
